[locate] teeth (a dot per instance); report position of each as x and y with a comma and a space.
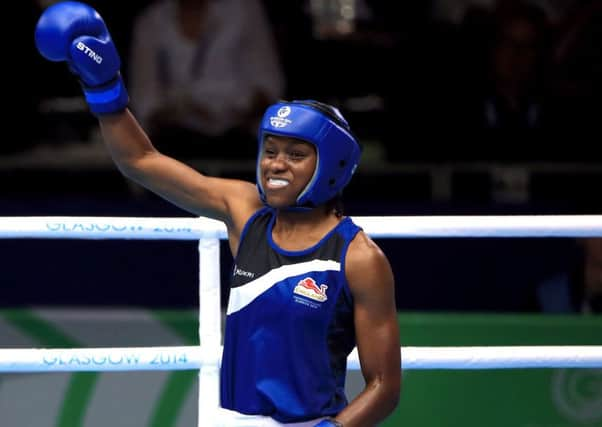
277, 182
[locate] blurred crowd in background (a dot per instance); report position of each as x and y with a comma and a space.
432, 80
463, 106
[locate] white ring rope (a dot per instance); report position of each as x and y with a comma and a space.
209, 231
189, 357
206, 358
377, 227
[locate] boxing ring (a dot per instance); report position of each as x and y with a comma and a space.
208, 233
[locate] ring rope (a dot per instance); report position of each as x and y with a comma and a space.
60, 227
192, 358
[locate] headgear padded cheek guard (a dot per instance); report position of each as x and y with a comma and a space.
338, 152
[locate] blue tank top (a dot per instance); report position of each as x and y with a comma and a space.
289, 325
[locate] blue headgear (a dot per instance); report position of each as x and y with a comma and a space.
338, 152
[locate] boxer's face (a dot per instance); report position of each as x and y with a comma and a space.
286, 167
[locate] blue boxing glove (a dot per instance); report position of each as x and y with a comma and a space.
329, 422
75, 33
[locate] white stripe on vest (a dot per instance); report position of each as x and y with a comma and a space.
242, 296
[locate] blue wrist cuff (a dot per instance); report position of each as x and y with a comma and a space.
329, 422
109, 98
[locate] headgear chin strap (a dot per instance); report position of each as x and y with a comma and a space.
338, 152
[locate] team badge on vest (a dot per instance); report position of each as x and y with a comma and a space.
308, 288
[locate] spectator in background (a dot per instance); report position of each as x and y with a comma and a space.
201, 73
510, 96
493, 83
579, 288
592, 276
576, 82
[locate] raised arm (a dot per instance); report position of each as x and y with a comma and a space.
232, 201
377, 334
74, 33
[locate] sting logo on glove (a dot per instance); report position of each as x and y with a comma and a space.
96, 57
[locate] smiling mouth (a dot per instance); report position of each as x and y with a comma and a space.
276, 183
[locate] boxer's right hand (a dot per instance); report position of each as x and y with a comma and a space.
75, 33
